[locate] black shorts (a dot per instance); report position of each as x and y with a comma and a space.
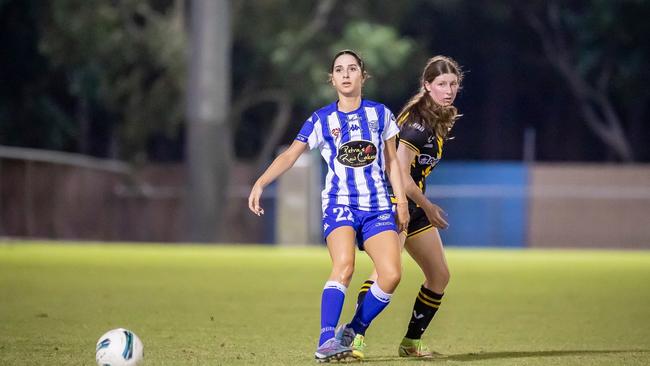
418, 221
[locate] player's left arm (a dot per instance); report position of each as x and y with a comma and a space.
435, 214
395, 177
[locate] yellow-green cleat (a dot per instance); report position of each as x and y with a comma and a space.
359, 347
414, 348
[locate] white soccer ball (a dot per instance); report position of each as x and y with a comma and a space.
119, 347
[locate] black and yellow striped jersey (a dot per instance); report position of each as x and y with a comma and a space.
427, 147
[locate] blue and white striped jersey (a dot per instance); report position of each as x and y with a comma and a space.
352, 145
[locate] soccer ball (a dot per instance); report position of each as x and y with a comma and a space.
119, 347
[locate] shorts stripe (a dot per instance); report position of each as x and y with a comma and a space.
418, 231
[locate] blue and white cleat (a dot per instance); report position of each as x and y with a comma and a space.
345, 334
333, 351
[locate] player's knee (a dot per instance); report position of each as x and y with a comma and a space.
343, 272
444, 276
390, 278
438, 279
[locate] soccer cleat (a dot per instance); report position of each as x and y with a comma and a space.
359, 347
332, 351
345, 334
413, 348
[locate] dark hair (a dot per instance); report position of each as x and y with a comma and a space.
356, 56
421, 109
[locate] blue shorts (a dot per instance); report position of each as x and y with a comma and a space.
365, 223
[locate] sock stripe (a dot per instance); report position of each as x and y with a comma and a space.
430, 293
335, 286
430, 304
379, 294
366, 286
430, 299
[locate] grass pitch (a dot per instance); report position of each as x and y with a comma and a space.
245, 305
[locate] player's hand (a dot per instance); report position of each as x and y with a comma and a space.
254, 200
402, 216
436, 216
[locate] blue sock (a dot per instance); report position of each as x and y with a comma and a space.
374, 302
330, 309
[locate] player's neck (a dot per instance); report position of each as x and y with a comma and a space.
348, 104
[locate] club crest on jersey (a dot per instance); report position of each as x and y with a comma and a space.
356, 154
336, 132
373, 125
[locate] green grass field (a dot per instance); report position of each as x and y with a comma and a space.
245, 305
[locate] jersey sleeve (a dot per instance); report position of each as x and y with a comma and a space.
413, 135
390, 125
310, 132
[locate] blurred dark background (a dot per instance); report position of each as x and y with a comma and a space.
100, 128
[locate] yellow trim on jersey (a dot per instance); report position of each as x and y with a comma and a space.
427, 171
403, 119
436, 306
416, 232
410, 146
440, 142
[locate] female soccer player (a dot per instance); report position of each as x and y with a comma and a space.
425, 122
356, 138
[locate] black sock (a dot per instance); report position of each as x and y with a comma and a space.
425, 307
362, 294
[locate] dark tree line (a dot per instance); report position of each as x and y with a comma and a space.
108, 78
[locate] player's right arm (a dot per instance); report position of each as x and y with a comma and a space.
281, 164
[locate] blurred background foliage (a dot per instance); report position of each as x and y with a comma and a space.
107, 77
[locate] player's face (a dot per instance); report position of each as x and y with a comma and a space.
443, 89
347, 76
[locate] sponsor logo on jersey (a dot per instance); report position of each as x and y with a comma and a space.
418, 126
356, 154
353, 119
353, 122
302, 138
424, 159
